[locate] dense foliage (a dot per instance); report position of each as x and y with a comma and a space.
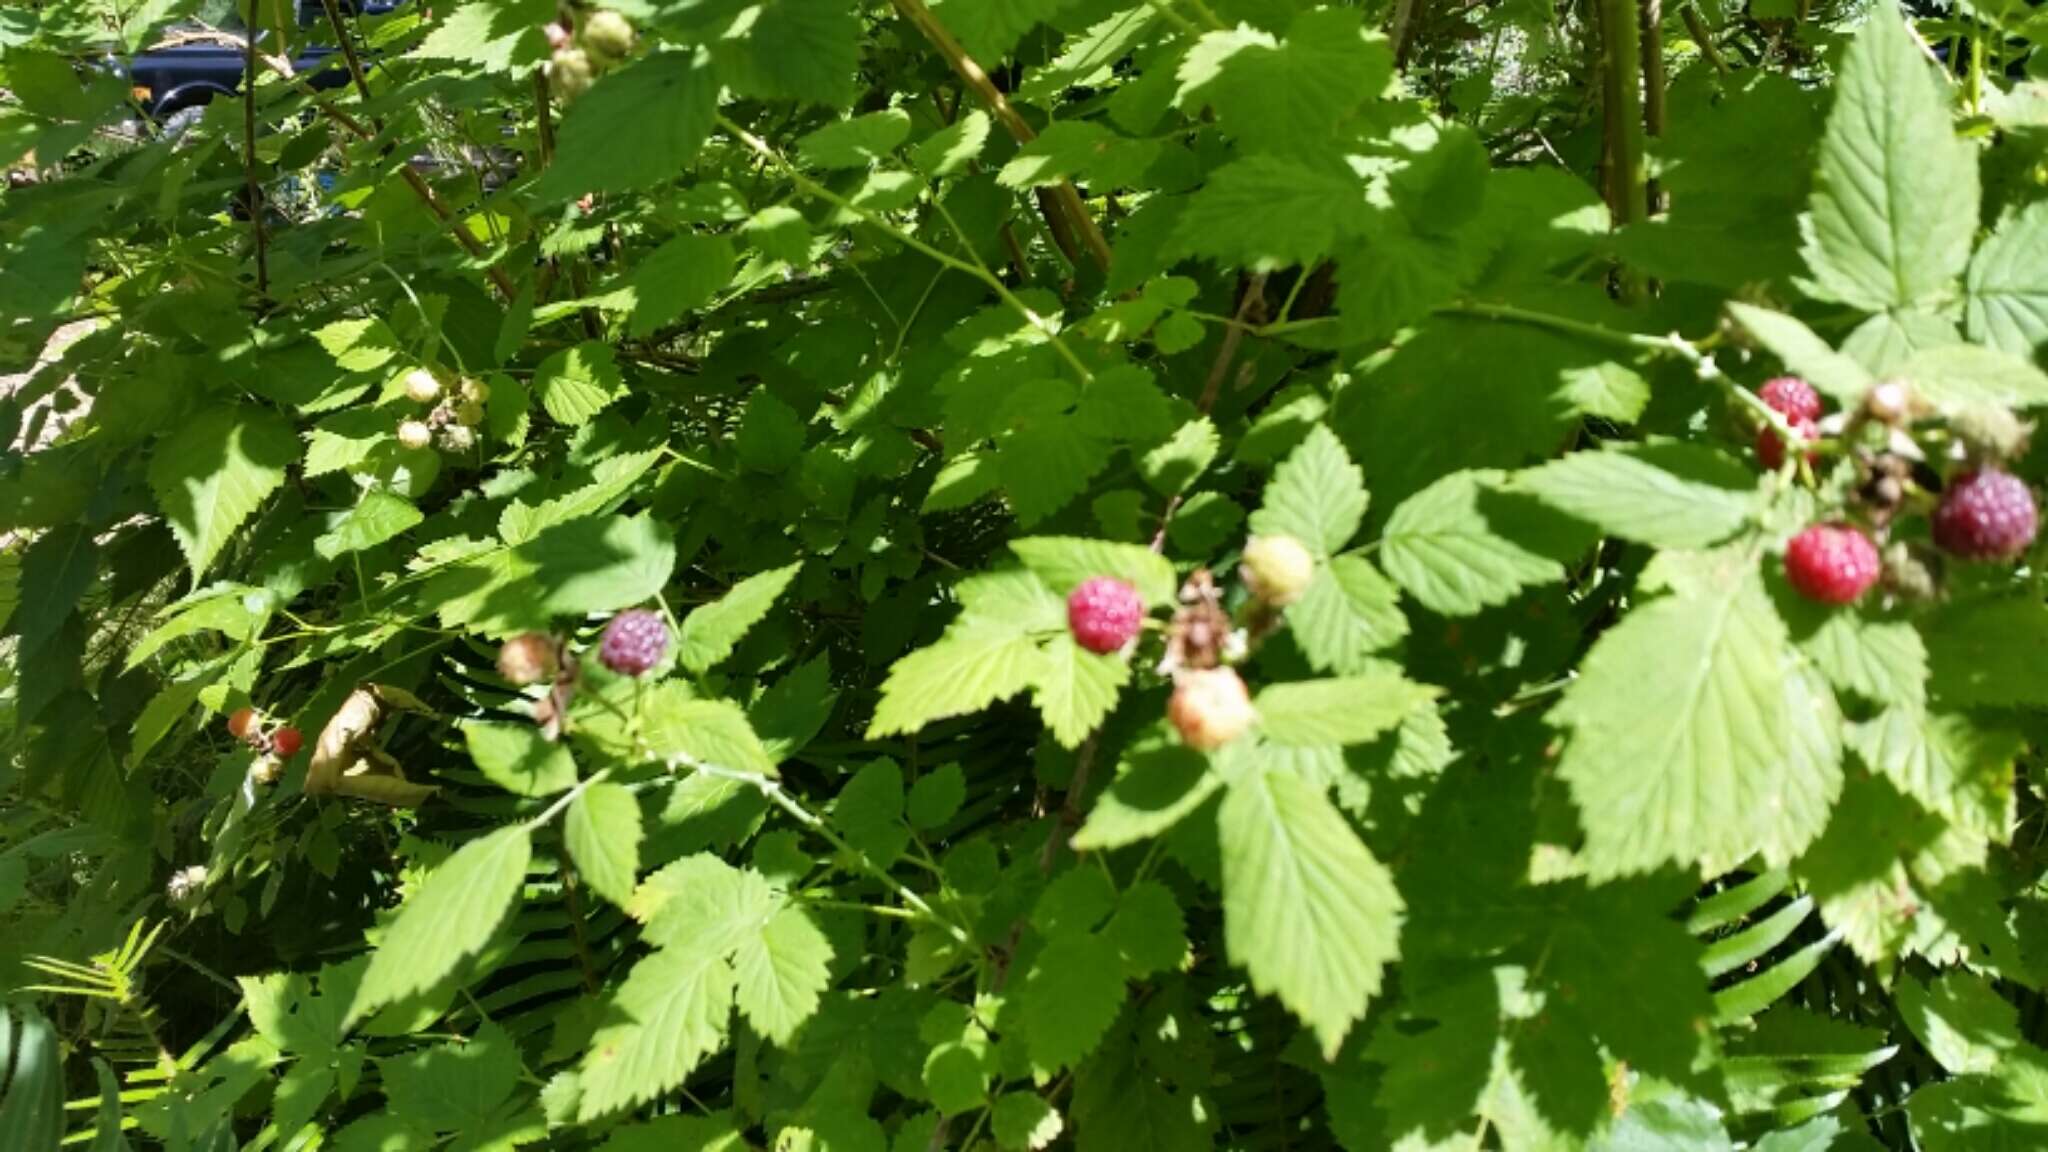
1101, 574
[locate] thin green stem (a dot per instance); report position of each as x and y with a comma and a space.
972, 267
568, 798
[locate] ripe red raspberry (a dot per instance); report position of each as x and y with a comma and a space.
285, 743
241, 722
1105, 613
1792, 398
1985, 514
634, 642
1770, 450
1832, 563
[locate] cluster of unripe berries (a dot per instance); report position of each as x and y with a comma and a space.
455, 413
581, 49
273, 743
1210, 706
1983, 515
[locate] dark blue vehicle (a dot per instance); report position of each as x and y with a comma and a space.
183, 78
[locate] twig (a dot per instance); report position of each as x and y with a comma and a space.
1065, 195
255, 189
1703, 36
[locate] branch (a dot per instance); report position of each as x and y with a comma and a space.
1065, 195
1703, 36
1652, 35
249, 181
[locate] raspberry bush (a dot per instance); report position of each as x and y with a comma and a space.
1024, 574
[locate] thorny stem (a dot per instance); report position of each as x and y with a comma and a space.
1066, 198
973, 267
255, 190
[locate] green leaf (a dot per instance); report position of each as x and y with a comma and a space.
1320, 713
1964, 376
988, 654
377, 517
1148, 930
1306, 908
497, 37
1696, 738
701, 903
602, 830
363, 345
1066, 562
1071, 996
682, 275
1951, 764
712, 1133
2007, 284
1349, 612
1024, 1121
598, 564
1804, 354
1181, 460
1270, 212
713, 732
710, 631
1895, 202
515, 758
807, 50
855, 142
936, 797
1988, 654
578, 383
1880, 660
670, 1013
782, 970
456, 1086
990, 28
953, 147
1286, 96
56, 569
1076, 689
1156, 787
451, 918
638, 126
1965, 1025
216, 470
1666, 495
1441, 547
1317, 495
771, 434
869, 812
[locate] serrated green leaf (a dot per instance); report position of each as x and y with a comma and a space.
2007, 284
1666, 495
953, 147
211, 474
1076, 689
869, 811
710, 631
1804, 354
1148, 930
855, 142
362, 345
701, 902
1349, 612
1696, 739
936, 796
602, 830
682, 275
578, 383
782, 970
637, 126
451, 918
1071, 996
1963, 376
713, 732
1951, 764
1895, 202
1155, 788
515, 758
1306, 908
1321, 713
1271, 212
1988, 654
806, 50
670, 1013
1441, 547
377, 517
1317, 495
1023, 1120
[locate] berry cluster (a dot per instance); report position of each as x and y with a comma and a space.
452, 421
582, 50
273, 743
1982, 514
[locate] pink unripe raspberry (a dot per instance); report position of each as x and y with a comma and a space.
1210, 708
1105, 614
1792, 398
1985, 514
634, 642
1832, 563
